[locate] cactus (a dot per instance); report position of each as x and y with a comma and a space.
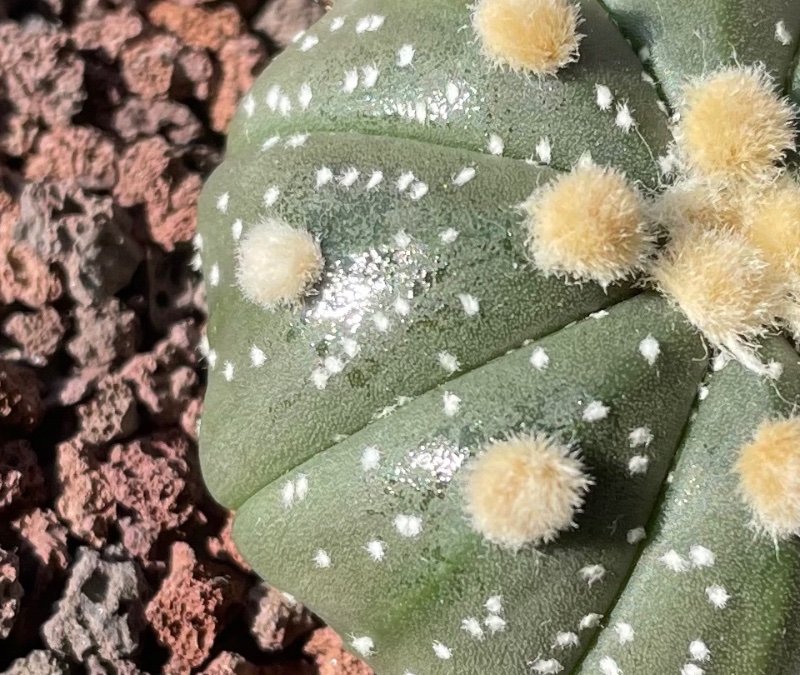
502, 301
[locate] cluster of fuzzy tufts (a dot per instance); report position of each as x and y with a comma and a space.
533, 36
525, 490
277, 264
769, 477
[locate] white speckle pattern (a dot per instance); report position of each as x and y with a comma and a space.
375, 179
369, 23
608, 666
470, 304
544, 151
381, 322
464, 176
595, 412
370, 74
603, 97
405, 55
402, 239
496, 144
212, 358
692, 669
301, 487
197, 242
364, 645
236, 229
304, 96
287, 494
271, 142
213, 275
448, 361
442, 651
273, 97
405, 180
227, 371
324, 176
451, 404
370, 458
322, 559
782, 34
698, 650
701, 556
309, 42
638, 464
494, 605
257, 356
592, 573
418, 190
539, 358
635, 535
774, 370
333, 365
350, 81
546, 666
249, 105
600, 314
319, 378
402, 307
624, 631
408, 526
284, 105
566, 640
349, 177
472, 626
650, 349
591, 620
494, 623
624, 119
296, 140
351, 347
271, 196
640, 436
336, 24
376, 550
449, 235
222, 202
674, 561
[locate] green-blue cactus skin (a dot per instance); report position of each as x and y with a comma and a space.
266, 424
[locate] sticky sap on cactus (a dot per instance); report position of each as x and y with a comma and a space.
342, 424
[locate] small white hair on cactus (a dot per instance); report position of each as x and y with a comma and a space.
539, 358
442, 651
698, 651
473, 627
692, 669
408, 526
591, 574
566, 639
532, 36
496, 144
470, 304
638, 464
782, 33
451, 404
213, 275
494, 605
546, 666
635, 535
768, 469
448, 361
525, 490
609, 666
595, 411
277, 263
624, 631
370, 458
603, 97
650, 348
495, 623
364, 645
717, 596
640, 436
591, 620
376, 550
405, 55
588, 224
758, 127
674, 561
624, 118
701, 556
322, 559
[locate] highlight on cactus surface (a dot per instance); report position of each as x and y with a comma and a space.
535, 36
769, 477
525, 490
588, 224
277, 263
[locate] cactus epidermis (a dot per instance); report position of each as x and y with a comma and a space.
424, 318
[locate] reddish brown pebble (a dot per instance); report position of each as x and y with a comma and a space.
197, 26
82, 154
38, 333
20, 398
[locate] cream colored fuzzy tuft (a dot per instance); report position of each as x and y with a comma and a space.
525, 490
700, 203
734, 126
723, 285
535, 36
588, 224
277, 264
769, 477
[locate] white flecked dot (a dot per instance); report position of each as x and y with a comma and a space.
494, 623
196, 263
452, 93
301, 487
212, 358
566, 640
472, 626
591, 620
692, 669
539, 358
585, 160
464, 176
591, 574
324, 176
304, 96
635, 535
381, 322
470, 304
449, 235
603, 97
546, 666
376, 550
308, 43
296, 140
418, 190
273, 97
227, 371
698, 650
442, 651
197, 242
608, 666
351, 347
448, 361
640, 436
364, 645
236, 229
405, 180
350, 81
222, 202
451, 404
249, 105
405, 55
600, 314
650, 349
638, 464
322, 559
333, 365
717, 596
370, 74
595, 411
402, 239
402, 307
370, 458
213, 275
287, 494
369, 23
774, 370
674, 561
494, 605
349, 177
319, 378
624, 119
271, 142
782, 34
271, 196
496, 144
336, 24
408, 526
257, 356
544, 151
284, 105
624, 631
375, 179
701, 556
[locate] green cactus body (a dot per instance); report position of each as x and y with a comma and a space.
340, 427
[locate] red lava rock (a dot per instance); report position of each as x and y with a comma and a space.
190, 608
193, 72
10, 591
275, 620
197, 26
180, 225
223, 548
20, 400
137, 118
142, 170
148, 64
281, 20
240, 59
85, 234
25, 277
111, 413
21, 479
105, 334
44, 539
82, 154
109, 32
38, 333
39, 662
325, 646
228, 663
67, 391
